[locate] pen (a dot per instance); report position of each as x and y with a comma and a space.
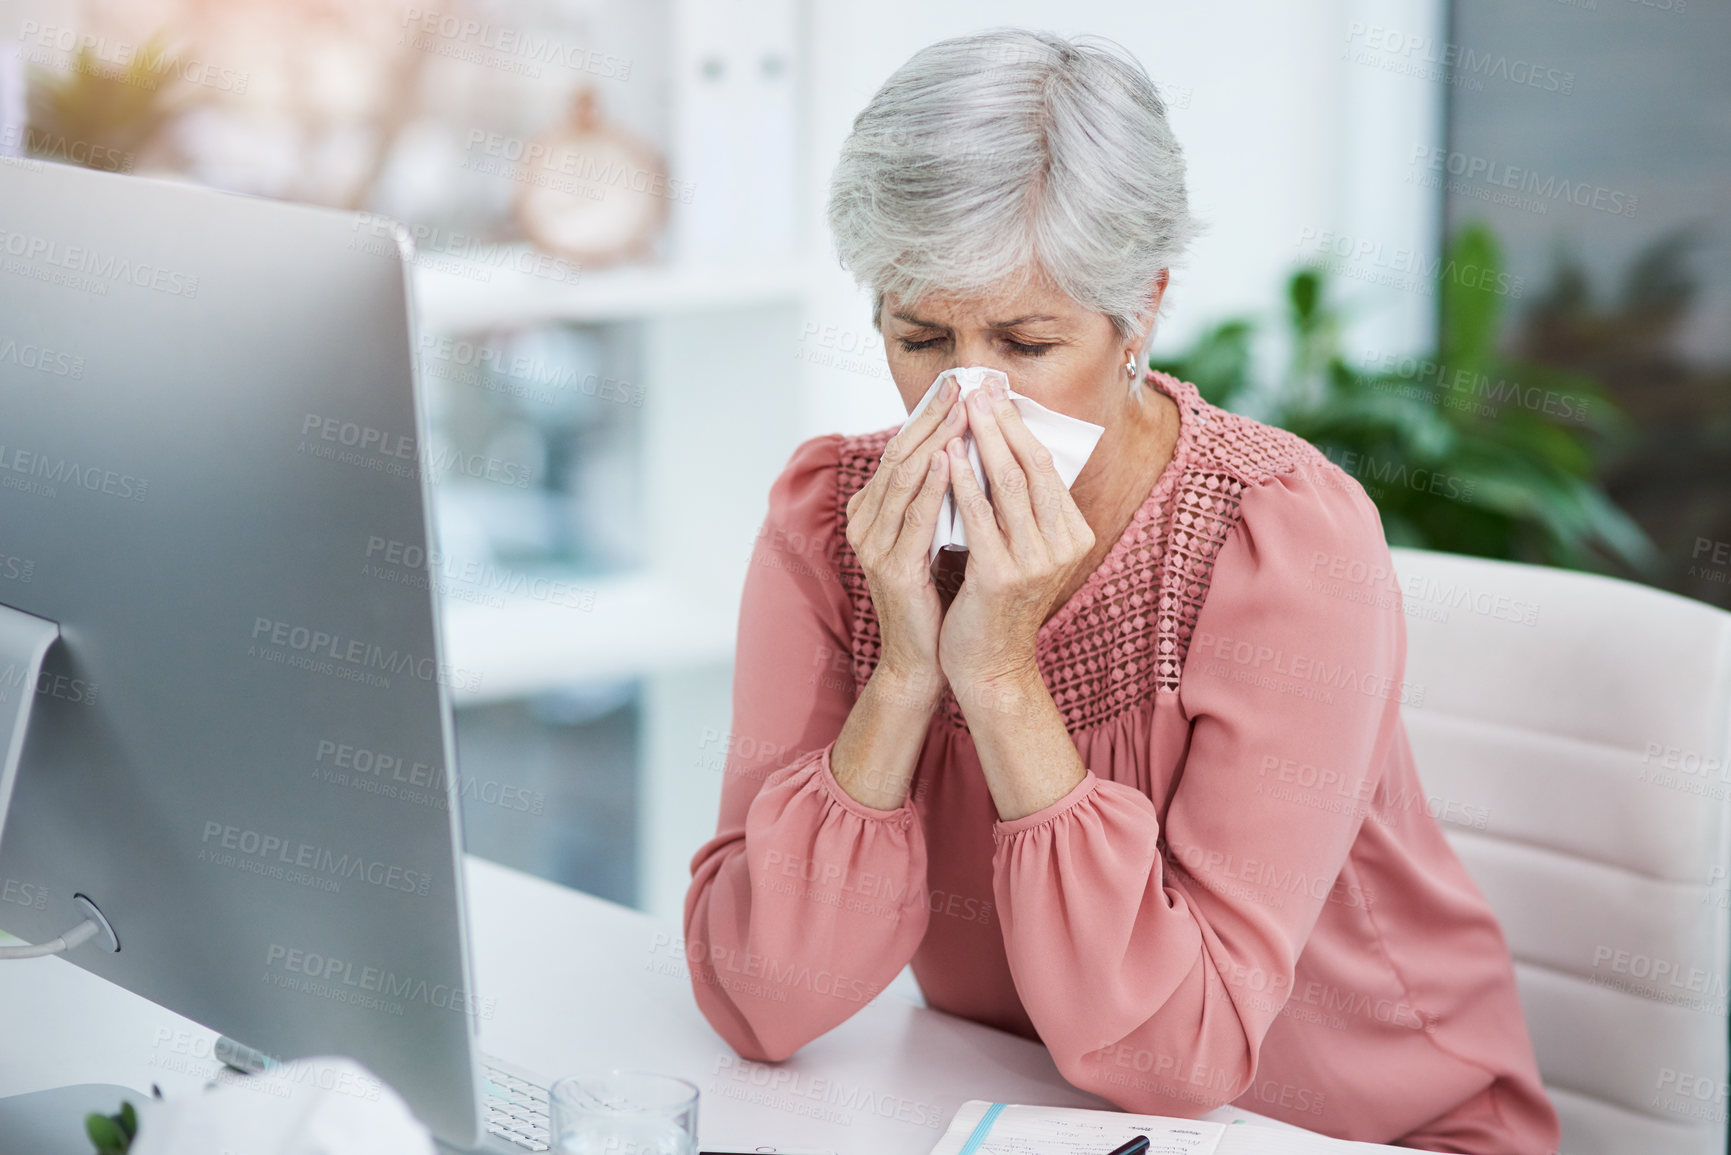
1134, 1147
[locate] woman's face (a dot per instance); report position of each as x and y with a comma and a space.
1068, 358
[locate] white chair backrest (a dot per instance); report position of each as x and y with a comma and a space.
1573, 734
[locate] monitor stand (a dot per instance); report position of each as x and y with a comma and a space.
24, 642
52, 1121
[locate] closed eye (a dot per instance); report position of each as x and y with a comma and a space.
1022, 348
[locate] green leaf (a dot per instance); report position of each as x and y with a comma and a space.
1620, 534
1305, 293
1468, 282
105, 1132
128, 1120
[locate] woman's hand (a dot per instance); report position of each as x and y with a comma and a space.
1025, 545
890, 524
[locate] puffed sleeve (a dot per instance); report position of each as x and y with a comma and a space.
1158, 950
806, 903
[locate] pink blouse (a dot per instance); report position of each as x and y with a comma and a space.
1247, 899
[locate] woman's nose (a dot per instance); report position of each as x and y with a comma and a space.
978, 353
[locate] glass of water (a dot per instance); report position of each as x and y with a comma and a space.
619, 1112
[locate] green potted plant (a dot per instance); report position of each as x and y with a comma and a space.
1462, 448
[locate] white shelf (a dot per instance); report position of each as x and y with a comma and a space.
638, 624
487, 288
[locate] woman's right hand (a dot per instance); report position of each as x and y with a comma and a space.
890, 524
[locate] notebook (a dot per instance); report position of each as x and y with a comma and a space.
982, 1128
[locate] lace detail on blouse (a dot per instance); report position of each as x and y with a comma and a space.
1124, 632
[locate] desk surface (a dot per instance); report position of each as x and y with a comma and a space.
566, 980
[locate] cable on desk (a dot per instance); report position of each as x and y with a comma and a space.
83, 932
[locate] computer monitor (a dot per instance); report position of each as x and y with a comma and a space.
209, 417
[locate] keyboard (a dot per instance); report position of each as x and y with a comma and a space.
516, 1106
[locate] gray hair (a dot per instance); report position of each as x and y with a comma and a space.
987, 156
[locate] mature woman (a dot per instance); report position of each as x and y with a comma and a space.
1141, 790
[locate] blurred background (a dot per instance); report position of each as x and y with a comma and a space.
1476, 250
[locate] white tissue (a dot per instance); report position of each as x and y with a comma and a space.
1070, 440
317, 1106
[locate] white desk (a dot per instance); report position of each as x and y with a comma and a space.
576, 979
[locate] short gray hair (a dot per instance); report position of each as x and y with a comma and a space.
989, 155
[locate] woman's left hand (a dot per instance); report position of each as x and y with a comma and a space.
1025, 545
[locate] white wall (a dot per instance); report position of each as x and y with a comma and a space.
1283, 132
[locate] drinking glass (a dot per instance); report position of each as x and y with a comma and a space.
620, 1112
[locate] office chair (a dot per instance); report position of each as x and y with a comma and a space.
1573, 735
